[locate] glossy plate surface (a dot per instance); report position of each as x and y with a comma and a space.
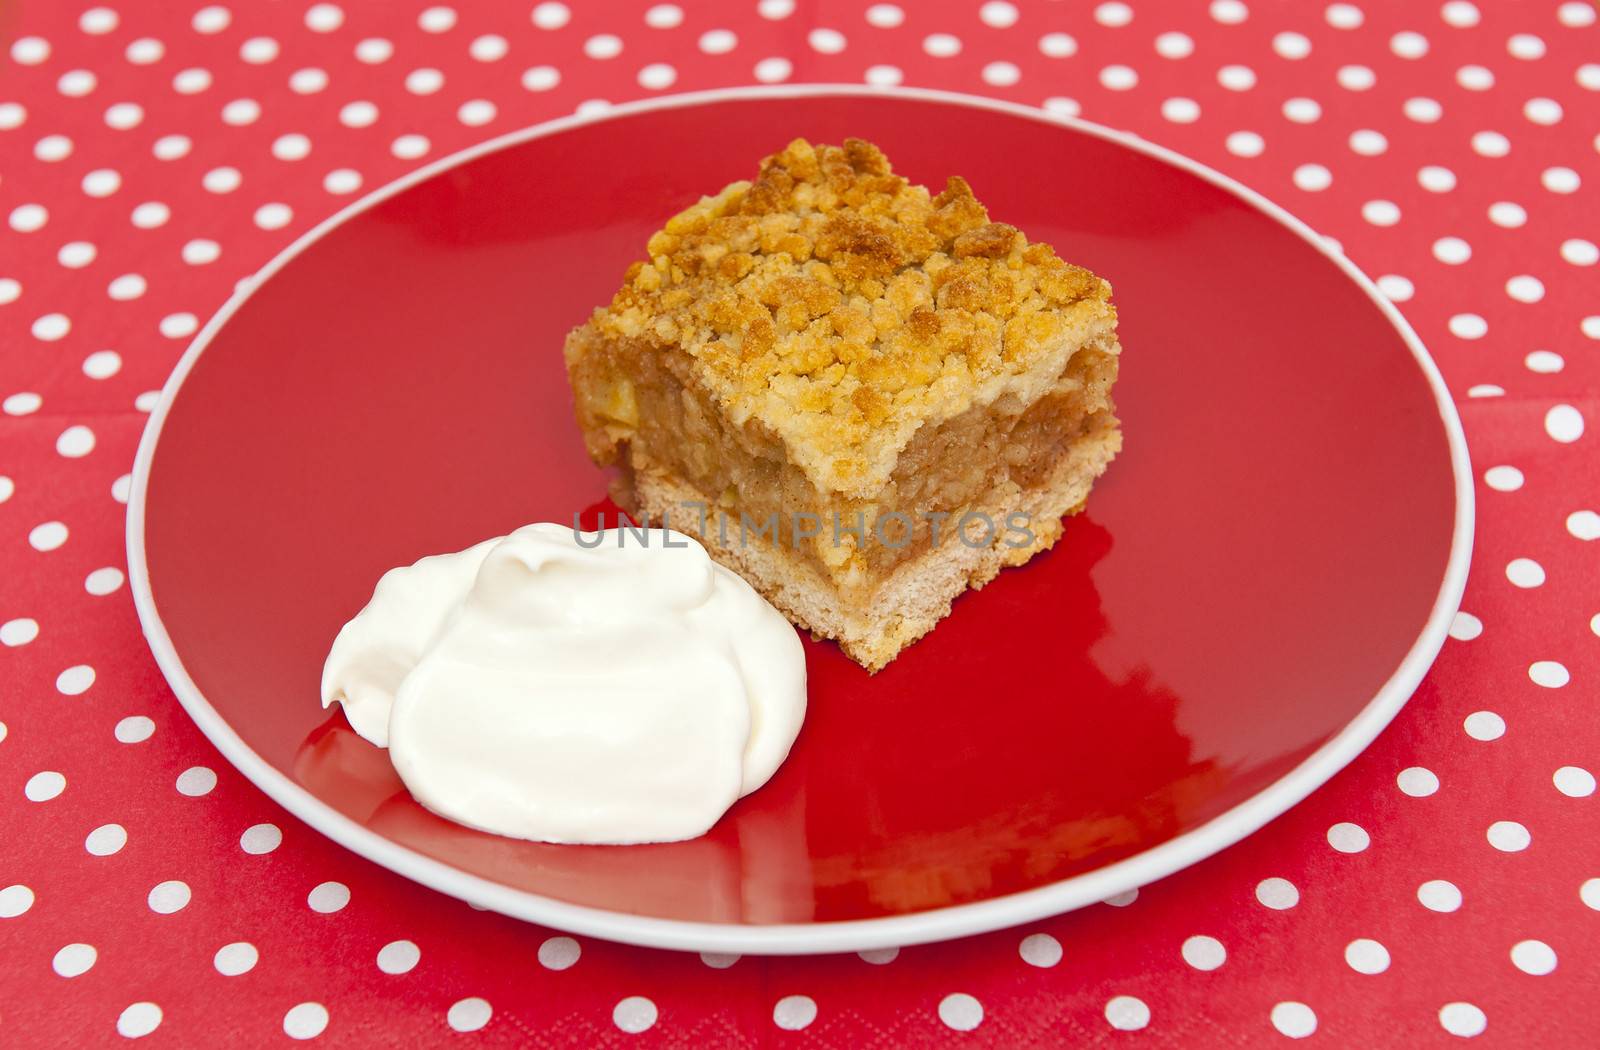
1256, 587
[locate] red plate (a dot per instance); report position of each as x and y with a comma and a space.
1258, 584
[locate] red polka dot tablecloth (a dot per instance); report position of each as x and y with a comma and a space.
1445, 886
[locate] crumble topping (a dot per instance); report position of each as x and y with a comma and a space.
843, 307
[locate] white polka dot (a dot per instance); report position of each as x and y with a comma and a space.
135, 729
541, 78
1295, 1020
1236, 78
1229, 12
1355, 78
559, 953
48, 536
1245, 144
1525, 46
121, 487
1525, 288
171, 147
293, 146
718, 41
1277, 894
1062, 106
1348, 838
358, 114
1574, 781
1003, 15
1533, 957
1174, 45
1542, 111
146, 402
1484, 725
879, 956
941, 45
308, 81
398, 957
221, 180
1564, 423
1366, 956
603, 46
139, 1020
827, 41
1001, 74
409, 147
961, 1012
884, 16
10, 290
1590, 326
658, 76
1040, 949
44, 786
75, 960
424, 81
488, 48
773, 70
26, 218
53, 148
1462, 1019
794, 1012
634, 1014
1475, 78
21, 404
237, 958
74, 83
305, 1021
1123, 899
259, 50
145, 51
664, 16
328, 897
1417, 781
1453, 251
342, 180
1583, 524
30, 50
12, 115
51, 327
1560, 180
1503, 478
1118, 78
1181, 110
1576, 14
437, 19
1293, 46
17, 632
75, 442
1544, 362
374, 50
1490, 144
1549, 674
719, 960
1436, 179
1126, 1013
324, 18
1580, 252
1312, 177
1507, 214
211, 19
476, 112
551, 15
1058, 45
1204, 953
200, 252
179, 326
168, 897
15, 900
261, 838
75, 680
196, 781
1423, 110
883, 76
98, 20
1588, 76
107, 839
1344, 16
274, 216
1525, 572
1409, 44
1112, 14
1468, 326
1459, 13
1508, 836
1302, 110
1381, 213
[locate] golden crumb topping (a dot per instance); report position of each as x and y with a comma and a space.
844, 307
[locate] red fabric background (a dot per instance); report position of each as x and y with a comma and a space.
1514, 352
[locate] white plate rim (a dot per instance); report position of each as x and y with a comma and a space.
856, 934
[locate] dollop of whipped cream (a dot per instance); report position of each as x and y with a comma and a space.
565, 686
